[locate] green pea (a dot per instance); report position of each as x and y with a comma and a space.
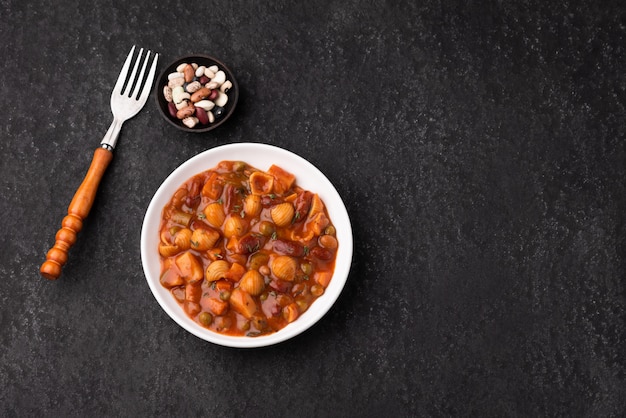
257, 260
330, 230
205, 318
266, 228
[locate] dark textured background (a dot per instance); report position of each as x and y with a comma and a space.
479, 150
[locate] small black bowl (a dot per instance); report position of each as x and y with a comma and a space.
207, 61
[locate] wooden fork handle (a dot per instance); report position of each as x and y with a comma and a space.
76, 212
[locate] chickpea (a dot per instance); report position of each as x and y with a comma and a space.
306, 268
302, 305
317, 290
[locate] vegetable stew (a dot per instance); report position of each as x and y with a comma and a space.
245, 251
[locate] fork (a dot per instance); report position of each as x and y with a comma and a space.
125, 104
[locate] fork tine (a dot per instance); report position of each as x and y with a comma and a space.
122, 77
140, 78
129, 85
148, 84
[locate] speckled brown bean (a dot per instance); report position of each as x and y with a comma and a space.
203, 93
189, 73
185, 112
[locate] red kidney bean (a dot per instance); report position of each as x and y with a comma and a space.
193, 197
229, 197
292, 248
171, 108
249, 244
281, 286
321, 253
270, 200
202, 116
303, 204
199, 224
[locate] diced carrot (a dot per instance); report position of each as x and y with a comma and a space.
232, 244
235, 273
213, 187
261, 183
223, 285
193, 292
190, 267
322, 278
242, 303
215, 254
217, 306
284, 178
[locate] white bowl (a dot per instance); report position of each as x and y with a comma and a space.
262, 157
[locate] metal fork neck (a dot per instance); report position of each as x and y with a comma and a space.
110, 138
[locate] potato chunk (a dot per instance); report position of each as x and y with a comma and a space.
242, 303
190, 267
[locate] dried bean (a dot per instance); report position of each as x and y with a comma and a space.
193, 87
221, 99
196, 94
202, 116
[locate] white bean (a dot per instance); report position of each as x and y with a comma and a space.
205, 104
182, 104
220, 77
226, 86
221, 100
179, 94
172, 76
200, 71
